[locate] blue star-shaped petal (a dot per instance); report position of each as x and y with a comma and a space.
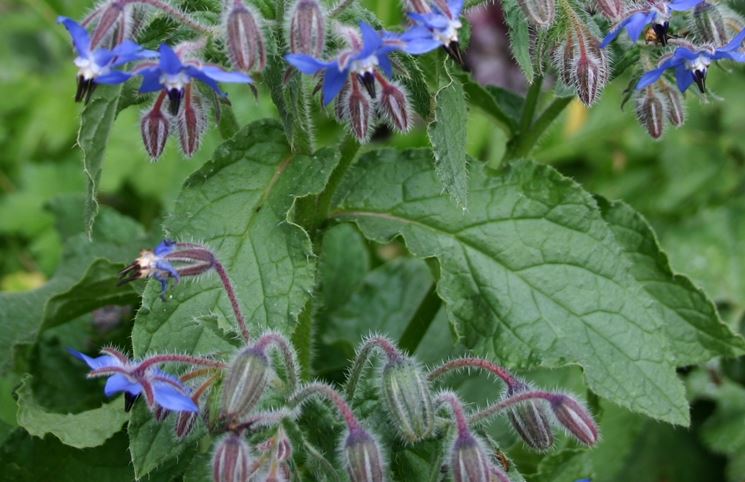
657, 13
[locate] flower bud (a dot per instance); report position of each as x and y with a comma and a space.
408, 399
185, 424
582, 64
575, 418
530, 420
358, 111
232, 460
540, 13
160, 413
307, 28
651, 110
191, 122
708, 24
469, 461
362, 457
612, 9
110, 15
247, 379
245, 40
394, 105
674, 102
155, 127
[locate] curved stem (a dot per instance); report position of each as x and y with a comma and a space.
494, 409
288, 355
467, 362
456, 407
360, 361
175, 13
321, 389
191, 360
228, 285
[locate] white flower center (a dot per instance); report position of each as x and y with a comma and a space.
177, 81
448, 34
699, 63
367, 64
88, 68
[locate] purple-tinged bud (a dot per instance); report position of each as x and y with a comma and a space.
185, 424
408, 399
708, 24
612, 9
191, 122
651, 109
307, 28
469, 461
530, 420
340, 107
358, 110
232, 460
160, 413
245, 40
674, 101
362, 457
111, 14
393, 104
582, 63
575, 418
155, 127
247, 379
540, 13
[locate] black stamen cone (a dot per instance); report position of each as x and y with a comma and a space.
368, 80
661, 31
453, 50
85, 89
700, 77
174, 100
129, 401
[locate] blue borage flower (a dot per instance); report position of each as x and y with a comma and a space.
691, 64
174, 75
657, 13
132, 378
96, 66
434, 27
365, 54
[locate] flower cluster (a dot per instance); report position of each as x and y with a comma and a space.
258, 395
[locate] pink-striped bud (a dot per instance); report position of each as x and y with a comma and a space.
362, 457
575, 418
185, 424
530, 420
191, 122
111, 14
612, 9
708, 24
307, 29
674, 102
358, 110
582, 63
247, 378
393, 104
155, 126
160, 413
245, 40
651, 110
469, 461
540, 13
232, 460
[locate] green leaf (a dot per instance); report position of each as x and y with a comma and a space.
502, 105
80, 430
343, 263
724, 432
240, 204
95, 126
519, 32
695, 331
531, 273
447, 134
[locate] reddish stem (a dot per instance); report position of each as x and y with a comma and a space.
321, 389
456, 407
465, 362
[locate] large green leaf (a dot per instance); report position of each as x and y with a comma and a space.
530, 273
80, 430
240, 204
694, 329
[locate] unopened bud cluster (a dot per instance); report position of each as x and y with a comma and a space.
659, 105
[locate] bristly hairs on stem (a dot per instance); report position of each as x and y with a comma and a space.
364, 350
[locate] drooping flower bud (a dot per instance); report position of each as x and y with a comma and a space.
111, 14
307, 29
575, 418
362, 457
540, 13
530, 420
612, 9
674, 102
708, 24
245, 40
408, 399
155, 127
358, 110
581, 63
651, 110
191, 122
393, 104
469, 461
232, 460
248, 376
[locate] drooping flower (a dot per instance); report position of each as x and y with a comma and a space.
368, 50
138, 378
173, 75
98, 66
657, 13
691, 63
434, 26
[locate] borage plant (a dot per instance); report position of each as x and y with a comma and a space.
295, 244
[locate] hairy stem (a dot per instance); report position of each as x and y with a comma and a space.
324, 390
363, 354
175, 358
288, 355
176, 14
496, 408
228, 285
468, 362
456, 407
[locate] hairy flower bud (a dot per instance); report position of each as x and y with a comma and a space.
393, 104
160, 413
582, 63
408, 399
245, 40
540, 13
358, 111
530, 420
708, 24
185, 424
674, 103
247, 379
191, 122
307, 29
155, 127
651, 110
362, 457
232, 460
469, 461
575, 418
612, 9
111, 14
